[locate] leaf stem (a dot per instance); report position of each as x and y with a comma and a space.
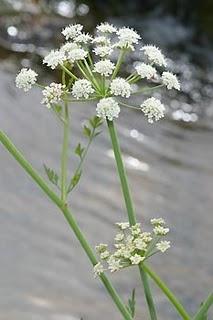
69, 217
130, 210
167, 292
118, 64
64, 154
204, 308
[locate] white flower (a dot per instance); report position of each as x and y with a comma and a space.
153, 109
120, 87
123, 225
72, 31
101, 40
103, 51
140, 244
104, 255
163, 245
146, 71
108, 108
119, 237
67, 47
154, 55
52, 94
136, 259
170, 80
135, 229
77, 54
101, 247
104, 67
113, 264
83, 38
106, 28
25, 79
127, 37
157, 221
98, 269
54, 58
146, 236
160, 231
82, 89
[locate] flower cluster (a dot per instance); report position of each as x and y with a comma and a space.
132, 246
90, 73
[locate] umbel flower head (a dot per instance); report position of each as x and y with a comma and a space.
132, 246
91, 69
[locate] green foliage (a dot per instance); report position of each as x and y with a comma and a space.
90, 132
52, 175
131, 304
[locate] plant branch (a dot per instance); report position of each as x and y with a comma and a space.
69, 217
204, 308
64, 154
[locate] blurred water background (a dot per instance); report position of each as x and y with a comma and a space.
43, 273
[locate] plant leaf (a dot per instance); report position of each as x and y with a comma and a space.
79, 150
52, 175
131, 304
87, 131
74, 181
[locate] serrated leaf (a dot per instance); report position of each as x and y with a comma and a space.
79, 150
52, 175
131, 304
87, 131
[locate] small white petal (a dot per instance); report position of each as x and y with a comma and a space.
82, 89
154, 55
104, 67
120, 87
153, 109
25, 79
146, 71
170, 80
107, 108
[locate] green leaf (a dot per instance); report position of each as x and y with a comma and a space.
52, 175
79, 150
87, 131
58, 109
131, 304
74, 181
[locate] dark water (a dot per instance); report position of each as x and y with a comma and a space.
43, 273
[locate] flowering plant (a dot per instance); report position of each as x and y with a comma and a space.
91, 70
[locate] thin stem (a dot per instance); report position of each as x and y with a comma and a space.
129, 106
204, 308
68, 72
118, 64
130, 209
64, 155
148, 293
69, 217
147, 89
167, 292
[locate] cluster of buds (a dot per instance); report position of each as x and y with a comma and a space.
89, 72
132, 246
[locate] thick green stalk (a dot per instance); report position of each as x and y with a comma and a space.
202, 312
130, 210
68, 215
167, 292
64, 154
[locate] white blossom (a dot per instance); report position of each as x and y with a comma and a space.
122, 225
25, 79
157, 221
106, 28
160, 231
101, 40
163, 245
54, 58
77, 54
98, 269
146, 71
146, 236
113, 264
83, 38
52, 94
154, 55
127, 37
67, 47
107, 108
72, 31
153, 109
140, 244
103, 51
82, 89
120, 87
136, 259
170, 80
104, 67
104, 255
101, 247
119, 237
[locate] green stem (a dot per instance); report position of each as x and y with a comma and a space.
147, 89
118, 64
64, 155
167, 292
68, 72
68, 215
130, 209
204, 308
